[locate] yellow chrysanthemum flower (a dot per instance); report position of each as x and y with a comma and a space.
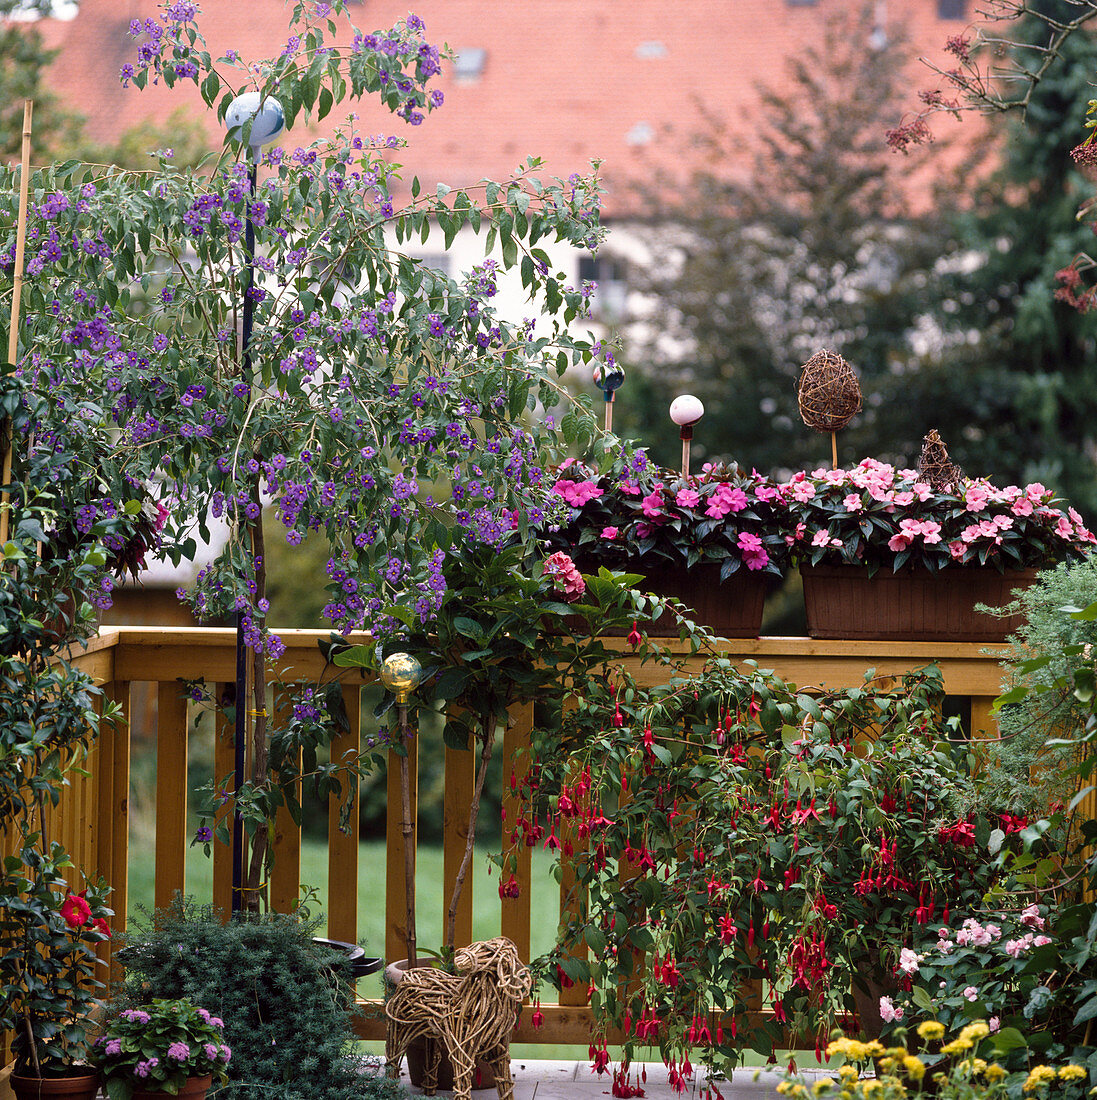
957, 1046
845, 1094
975, 1031
1038, 1077
994, 1072
823, 1085
931, 1030
915, 1067
848, 1074
798, 1091
870, 1088
1072, 1073
784, 1088
874, 1049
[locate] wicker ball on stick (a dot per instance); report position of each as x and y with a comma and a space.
828, 394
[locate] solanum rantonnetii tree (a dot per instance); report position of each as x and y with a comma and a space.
370, 380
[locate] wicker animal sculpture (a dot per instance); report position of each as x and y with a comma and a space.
470, 1014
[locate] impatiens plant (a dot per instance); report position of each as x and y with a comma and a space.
879, 517
369, 397
628, 513
738, 844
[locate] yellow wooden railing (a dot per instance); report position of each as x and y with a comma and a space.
93, 817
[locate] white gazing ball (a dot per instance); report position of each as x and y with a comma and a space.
686, 409
269, 119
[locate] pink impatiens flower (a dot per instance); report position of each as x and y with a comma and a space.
687, 498
565, 577
576, 493
754, 554
609, 532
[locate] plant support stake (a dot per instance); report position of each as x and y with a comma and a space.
16, 295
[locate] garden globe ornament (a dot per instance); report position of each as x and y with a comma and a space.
265, 114
608, 377
685, 411
401, 673
828, 395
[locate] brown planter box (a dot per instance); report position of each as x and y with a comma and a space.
843, 601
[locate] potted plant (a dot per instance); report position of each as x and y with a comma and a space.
885, 554
774, 848
48, 983
709, 540
164, 1047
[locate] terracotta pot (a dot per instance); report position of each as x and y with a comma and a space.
731, 608
194, 1088
81, 1085
483, 1076
843, 601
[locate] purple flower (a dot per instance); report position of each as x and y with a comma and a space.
179, 1051
203, 835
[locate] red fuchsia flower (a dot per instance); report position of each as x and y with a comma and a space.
510, 888
538, 1017
599, 1058
634, 636
962, 834
76, 911
728, 931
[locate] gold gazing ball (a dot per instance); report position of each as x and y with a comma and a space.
401, 673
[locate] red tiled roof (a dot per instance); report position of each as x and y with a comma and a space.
568, 80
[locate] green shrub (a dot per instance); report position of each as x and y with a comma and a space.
286, 1004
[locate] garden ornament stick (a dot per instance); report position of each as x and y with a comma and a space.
400, 673
17, 288
258, 121
685, 411
608, 379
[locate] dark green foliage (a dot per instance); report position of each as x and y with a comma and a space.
287, 1016
1026, 774
811, 247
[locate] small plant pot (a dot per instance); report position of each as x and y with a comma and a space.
483, 1075
80, 1085
194, 1088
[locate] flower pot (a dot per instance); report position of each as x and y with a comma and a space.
483, 1076
194, 1088
81, 1084
843, 601
358, 961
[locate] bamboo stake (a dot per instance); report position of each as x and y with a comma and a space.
834, 450
16, 295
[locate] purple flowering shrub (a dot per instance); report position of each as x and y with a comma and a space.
159, 1046
635, 515
379, 402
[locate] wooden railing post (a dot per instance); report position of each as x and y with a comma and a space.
343, 843
395, 911
171, 792
460, 770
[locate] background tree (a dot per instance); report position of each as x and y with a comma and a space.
814, 248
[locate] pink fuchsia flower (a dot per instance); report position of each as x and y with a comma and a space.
687, 498
576, 493
908, 961
76, 911
565, 577
609, 532
889, 1011
1030, 916
971, 993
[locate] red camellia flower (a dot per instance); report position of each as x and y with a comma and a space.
76, 911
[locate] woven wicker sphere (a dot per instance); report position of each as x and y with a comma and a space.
829, 393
